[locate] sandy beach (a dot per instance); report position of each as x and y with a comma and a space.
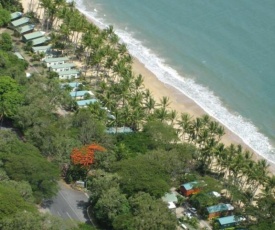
178, 101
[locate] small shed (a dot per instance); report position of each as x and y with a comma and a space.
19, 56
55, 61
85, 103
171, 199
190, 188
80, 94
20, 22
123, 129
229, 221
33, 35
40, 41
16, 15
217, 210
25, 29
63, 67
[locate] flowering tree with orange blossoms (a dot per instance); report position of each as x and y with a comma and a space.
85, 155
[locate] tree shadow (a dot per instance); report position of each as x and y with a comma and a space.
84, 205
46, 203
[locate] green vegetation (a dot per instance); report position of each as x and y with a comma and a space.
127, 180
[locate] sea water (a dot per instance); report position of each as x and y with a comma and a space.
219, 53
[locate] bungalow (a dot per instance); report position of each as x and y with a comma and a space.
40, 41
20, 22
63, 67
217, 210
73, 73
25, 29
33, 35
16, 15
190, 188
55, 61
19, 56
85, 103
114, 130
80, 94
228, 221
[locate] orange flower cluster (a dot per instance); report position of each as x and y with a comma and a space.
85, 155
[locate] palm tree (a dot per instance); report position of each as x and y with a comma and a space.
185, 124
173, 116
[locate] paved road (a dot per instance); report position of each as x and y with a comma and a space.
68, 204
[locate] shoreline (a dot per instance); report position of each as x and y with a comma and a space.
178, 101
182, 103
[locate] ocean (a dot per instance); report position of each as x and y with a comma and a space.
219, 53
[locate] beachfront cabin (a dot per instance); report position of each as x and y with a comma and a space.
228, 222
55, 61
63, 67
70, 74
217, 210
80, 95
19, 55
16, 15
190, 188
25, 29
33, 35
85, 103
123, 129
20, 22
40, 41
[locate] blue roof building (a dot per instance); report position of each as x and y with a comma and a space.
229, 221
80, 94
84, 103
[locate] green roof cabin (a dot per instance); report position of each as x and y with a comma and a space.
190, 188
55, 61
16, 15
33, 35
20, 22
40, 41
228, 221
63, 67
25, 29
217, 210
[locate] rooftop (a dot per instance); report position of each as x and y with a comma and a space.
72, 71
219, 208
123, 129
65, 65
70, 84
16, 15
25, 28
39, 41
33, 35
190, 185
49, 60
19, 55
86, 102
170, 197
229, 220
80, 93
38, 48
20, 21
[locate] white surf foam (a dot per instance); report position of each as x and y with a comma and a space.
198, 93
